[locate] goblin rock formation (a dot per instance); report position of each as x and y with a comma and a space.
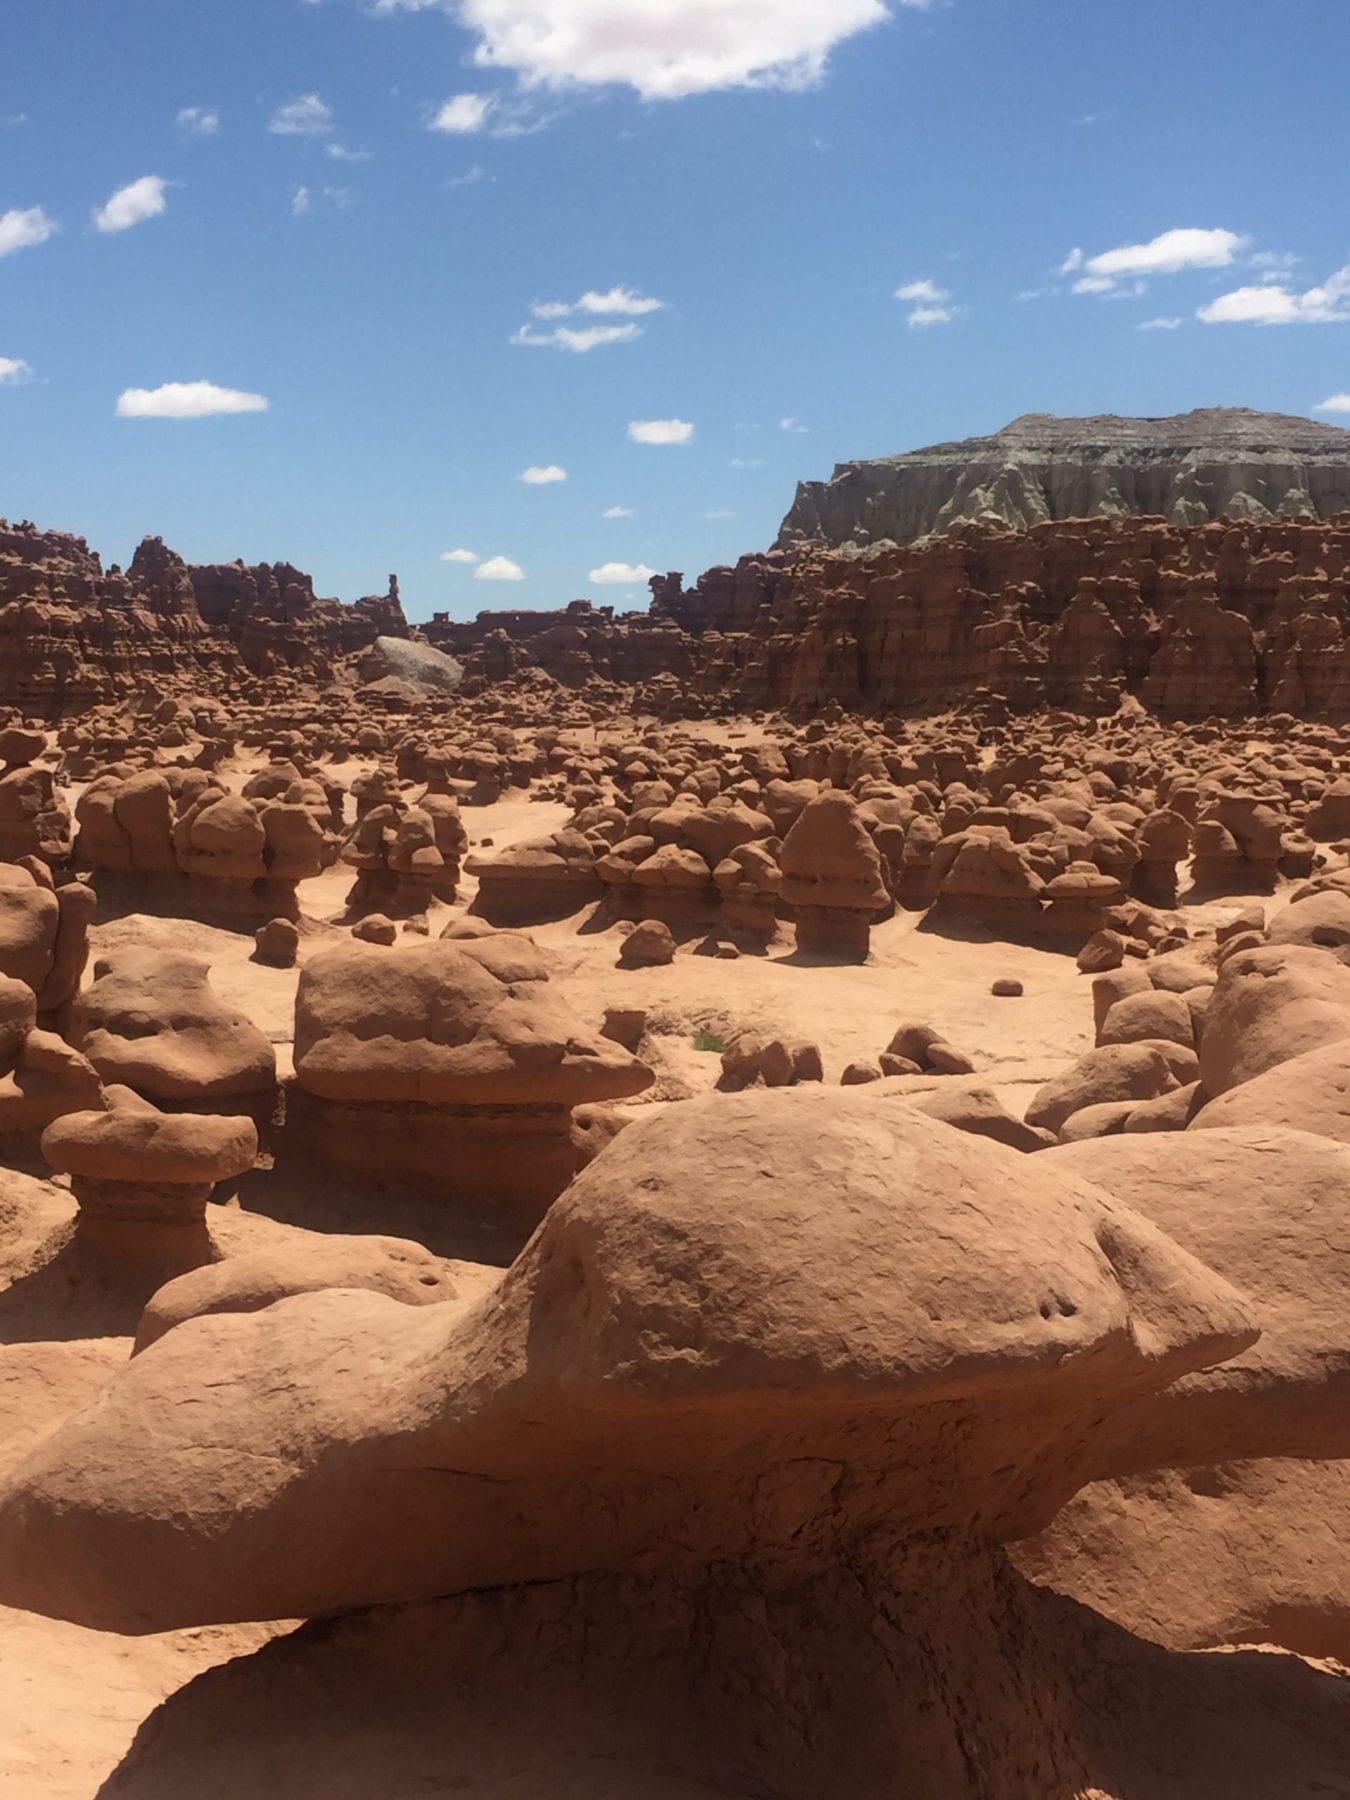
73, 634
698, 1400
1218, 462
1230, 618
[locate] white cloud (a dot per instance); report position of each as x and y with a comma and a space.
1185, 247
928, 291
499, 568
665, 49
132, 204
617, 512
186, 400
462, 114
1334, 403
927, 303
198, 121
1160, 325
793, 426
621, 300
470, 178
14, 371
301, 201
661, 431
747, 462
459, 556
305, 116
567, 337
615, 574
340, 153
1277, 262
720, 512
20, 229
1274, 304
542, 475
929, 315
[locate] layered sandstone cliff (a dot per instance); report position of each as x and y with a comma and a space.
1218, 462
73, 634
1228, 618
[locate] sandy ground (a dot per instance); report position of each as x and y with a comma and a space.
71, 1700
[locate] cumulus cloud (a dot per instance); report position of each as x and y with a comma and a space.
459, 556
14, 371
614, 574
198, 121
499, 568
132, 204
617, 512
21, 228
1272, 303
462, 114
186, 400
579, 340
305, 116
927, 303
661, 431
1334, 403
340, 153
620, 300
665, 51
542, 474
793, 426
1160, 325
1185, 247
301, 201
922, 290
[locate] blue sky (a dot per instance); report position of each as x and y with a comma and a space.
353, 211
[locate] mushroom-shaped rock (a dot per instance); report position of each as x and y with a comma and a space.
427, 1064
142, 1178
932, 1353
151, 1021
133, 1145
544, 878
832, 878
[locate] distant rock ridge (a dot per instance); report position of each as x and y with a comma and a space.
1230, 619
1216, 462
73, 634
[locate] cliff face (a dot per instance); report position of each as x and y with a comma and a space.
73, 634
1223, 619
1222, 462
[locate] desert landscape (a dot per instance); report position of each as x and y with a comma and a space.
744, 1198
674, 900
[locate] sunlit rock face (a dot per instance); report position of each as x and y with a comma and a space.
1216, 462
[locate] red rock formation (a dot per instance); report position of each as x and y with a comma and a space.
72, 635
1227, 618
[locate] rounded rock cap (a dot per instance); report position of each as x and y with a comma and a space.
171, 1149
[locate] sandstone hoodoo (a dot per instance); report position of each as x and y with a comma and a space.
775, 1456
879, 1024
1217, 462
451, 1067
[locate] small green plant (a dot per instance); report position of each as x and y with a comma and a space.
709, 1040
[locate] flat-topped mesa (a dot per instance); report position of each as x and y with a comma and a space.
73, 635
1215, 462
